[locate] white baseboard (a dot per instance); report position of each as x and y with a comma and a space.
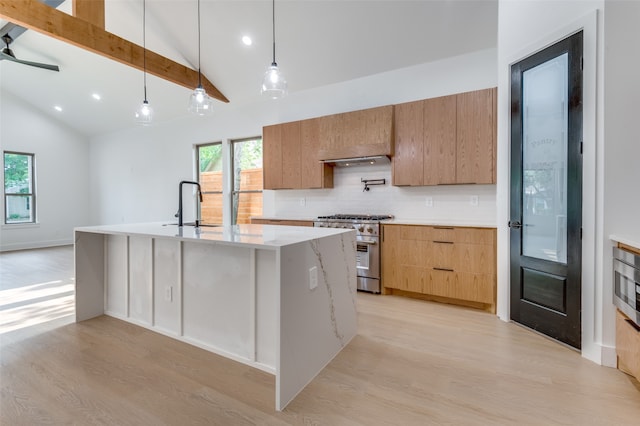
34, 245
609, 357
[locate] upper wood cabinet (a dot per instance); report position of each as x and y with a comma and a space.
315, 174
446, 140
361, 133
476, 140
290, 156
272, 156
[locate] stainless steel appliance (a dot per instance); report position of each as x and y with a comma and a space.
367, 229
626, 283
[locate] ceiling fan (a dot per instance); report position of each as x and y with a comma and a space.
7, 54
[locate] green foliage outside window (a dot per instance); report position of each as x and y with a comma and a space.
17, 179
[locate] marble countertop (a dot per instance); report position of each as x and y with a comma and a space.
259, 236
426, 222
623, 240
436, 222
306, 219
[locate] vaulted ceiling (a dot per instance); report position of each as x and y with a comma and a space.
318, 43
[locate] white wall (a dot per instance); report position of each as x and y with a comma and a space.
62, 172
450, 203
622, 174
135, 173
525, 27
621, 202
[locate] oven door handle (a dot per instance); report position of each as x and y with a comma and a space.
371, 243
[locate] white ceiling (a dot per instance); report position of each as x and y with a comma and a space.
318, 43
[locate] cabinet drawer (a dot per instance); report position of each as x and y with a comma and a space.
461, 285
414, 232
476, 287
439, 283
474, 258
463, 235
443, 255
627, 345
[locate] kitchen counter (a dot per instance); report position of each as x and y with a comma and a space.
396, 221
427, 222
303, 219
257, 236
626, 241
278, 298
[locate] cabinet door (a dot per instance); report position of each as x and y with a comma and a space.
272, 156
331, 135
409, 133
353, 134
379, 128
291, 178
315, 174
390, 259
440, 140
475, 137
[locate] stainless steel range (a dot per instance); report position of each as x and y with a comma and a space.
367, 229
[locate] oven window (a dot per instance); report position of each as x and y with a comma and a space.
625, 289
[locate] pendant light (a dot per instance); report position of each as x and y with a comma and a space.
273, 84
144, 113
200, 103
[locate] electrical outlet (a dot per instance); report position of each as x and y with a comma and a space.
313, 277
303, 202
168, 293
473, 200
428, 202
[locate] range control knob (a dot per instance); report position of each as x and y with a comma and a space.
370, 230
360, 228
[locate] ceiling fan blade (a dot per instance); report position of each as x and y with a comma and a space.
33, 64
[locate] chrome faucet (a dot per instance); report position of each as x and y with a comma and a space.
179, 214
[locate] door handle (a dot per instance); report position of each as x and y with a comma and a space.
515, 224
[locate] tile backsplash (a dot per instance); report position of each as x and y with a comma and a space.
456, 203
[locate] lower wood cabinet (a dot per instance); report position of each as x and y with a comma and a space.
627, 345
288, 222
451, 264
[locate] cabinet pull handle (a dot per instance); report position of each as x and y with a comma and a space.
443, 227
443, 242
443, 269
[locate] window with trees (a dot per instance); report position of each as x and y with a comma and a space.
19, 188
210, 176
246, 186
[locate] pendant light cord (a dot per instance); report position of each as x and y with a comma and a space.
144, 46
199, 73
273, 28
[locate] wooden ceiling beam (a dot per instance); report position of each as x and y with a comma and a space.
90, 10
37, 16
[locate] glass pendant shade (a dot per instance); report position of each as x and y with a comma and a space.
144, 114
274, 84
200, 103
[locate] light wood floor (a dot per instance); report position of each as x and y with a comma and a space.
412, 363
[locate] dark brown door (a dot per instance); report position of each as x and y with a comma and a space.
546, 190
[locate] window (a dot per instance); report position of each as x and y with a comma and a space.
246, 186
19, 188
210, 169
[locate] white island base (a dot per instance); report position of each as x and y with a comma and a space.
278, 298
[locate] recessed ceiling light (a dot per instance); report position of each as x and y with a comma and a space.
58, 108
96, 96
247, 40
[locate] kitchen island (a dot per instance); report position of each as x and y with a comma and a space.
281, 299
